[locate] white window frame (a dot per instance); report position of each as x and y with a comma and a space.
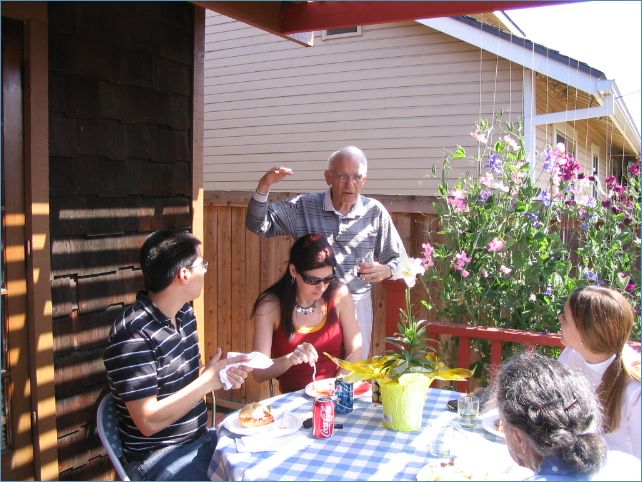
568, 134
328, 36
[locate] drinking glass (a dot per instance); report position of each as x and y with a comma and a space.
468, 409
367, 258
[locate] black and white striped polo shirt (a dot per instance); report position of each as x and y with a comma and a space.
146, 356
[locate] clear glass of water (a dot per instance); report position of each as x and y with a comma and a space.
468, 410
367, 258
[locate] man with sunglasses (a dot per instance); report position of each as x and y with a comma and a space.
153, 366
357, 227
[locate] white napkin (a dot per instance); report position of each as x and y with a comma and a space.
257, 360
265, 443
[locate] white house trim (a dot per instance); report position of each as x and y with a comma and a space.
605, 91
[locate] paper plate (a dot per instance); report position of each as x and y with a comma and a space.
451, 469
284, 424
490, 424
325, 388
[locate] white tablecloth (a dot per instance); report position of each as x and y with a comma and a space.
363, 449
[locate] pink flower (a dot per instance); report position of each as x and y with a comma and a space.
426, 255
488, 179
464, 273
496, 245
484, 273
532, 297
480, 136
458, 200
461, 260
505, 270
511, 143
629, 287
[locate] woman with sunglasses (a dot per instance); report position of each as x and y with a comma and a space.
305, 313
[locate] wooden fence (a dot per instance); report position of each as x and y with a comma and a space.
242, 264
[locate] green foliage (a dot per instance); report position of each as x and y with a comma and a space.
410, 346
516, 247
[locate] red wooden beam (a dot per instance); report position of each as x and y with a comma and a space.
308, 16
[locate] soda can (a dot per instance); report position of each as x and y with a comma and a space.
323, 418
376, 392
343, 395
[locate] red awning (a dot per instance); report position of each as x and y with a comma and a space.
285, 18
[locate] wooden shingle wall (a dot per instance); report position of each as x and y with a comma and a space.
121, 167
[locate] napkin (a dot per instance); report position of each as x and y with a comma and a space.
264, 443
257, 360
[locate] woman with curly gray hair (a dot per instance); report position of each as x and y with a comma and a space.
552, 421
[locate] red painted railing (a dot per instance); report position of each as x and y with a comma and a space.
395, 300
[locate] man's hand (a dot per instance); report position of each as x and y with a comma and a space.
273, 176
236, 375
374, 272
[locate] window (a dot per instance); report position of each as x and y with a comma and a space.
566, 136
341, 32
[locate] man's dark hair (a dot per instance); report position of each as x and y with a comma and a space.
162, 256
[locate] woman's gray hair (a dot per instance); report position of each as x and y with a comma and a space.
555, 408
351, 151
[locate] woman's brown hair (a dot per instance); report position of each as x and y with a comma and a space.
604, 320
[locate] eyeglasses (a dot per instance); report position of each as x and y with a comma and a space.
343, 177
313, 280
202, 266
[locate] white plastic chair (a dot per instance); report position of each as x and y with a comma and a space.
107, 423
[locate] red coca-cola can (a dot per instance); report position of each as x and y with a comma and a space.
322, 418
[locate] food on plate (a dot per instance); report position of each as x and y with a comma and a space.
324, 388
255, 415
498, 425
449, 470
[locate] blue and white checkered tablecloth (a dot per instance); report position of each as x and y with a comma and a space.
363, 450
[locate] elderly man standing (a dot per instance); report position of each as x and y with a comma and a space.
358, 228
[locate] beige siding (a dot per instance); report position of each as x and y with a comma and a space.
402, 92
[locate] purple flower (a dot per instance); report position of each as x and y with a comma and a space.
630, 287
606, 203
495, 163
549, 290
634, 169
545, 197
591, 274
627, 221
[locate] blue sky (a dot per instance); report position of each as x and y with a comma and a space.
605, 35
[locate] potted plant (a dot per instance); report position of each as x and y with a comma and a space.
406, 370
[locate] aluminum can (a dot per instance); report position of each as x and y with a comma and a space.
343, 395
376, 392
323, 418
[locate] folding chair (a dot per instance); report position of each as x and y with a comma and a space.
107, 423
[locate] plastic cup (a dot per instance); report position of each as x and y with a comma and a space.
468, 410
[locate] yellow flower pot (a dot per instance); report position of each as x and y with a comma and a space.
403, 402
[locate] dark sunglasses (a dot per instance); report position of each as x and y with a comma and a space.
313, 280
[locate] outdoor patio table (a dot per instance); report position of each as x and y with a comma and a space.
362, 450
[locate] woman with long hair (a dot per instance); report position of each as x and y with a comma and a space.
305, 313
596, 325
551, 420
